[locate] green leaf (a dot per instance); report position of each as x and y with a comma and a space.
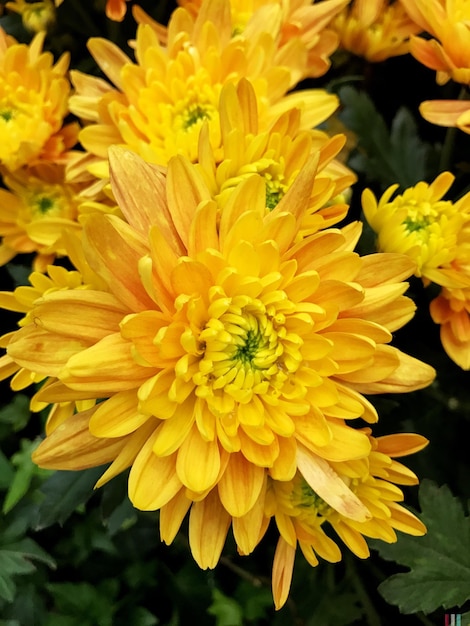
439, 562
16, 414
64, 491
6, 472
390, 156
226, 610
23, 475
88, 605
15, 559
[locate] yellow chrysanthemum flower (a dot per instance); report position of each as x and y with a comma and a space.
374, 29
305, 20
162, 100
223, 349
33, 103
448, 51
451, 309
420, 224
302, 511
35, 211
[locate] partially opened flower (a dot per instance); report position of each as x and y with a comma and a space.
36, 16
277, 154
33, 104
224, 349
159, 103
299, 20
448, 50
374, 29
451, 310
302, 513
419, 223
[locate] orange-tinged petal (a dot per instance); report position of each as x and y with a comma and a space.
401, 444
172, 515
283, 567
71, 446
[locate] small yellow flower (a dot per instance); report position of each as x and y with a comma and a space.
302, 510
374, 29
36, 16
33, 104
420, 224
35, 210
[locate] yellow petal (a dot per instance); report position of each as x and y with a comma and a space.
240, 485
198, 462
117, 416
208, 526
283, 567
153, 480
329, 486
71, 446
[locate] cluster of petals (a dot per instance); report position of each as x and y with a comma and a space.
33, 104
157, 104
228, 353
445, 49
374, 29
36, 16
435, 234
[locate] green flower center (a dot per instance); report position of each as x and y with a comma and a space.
303, 497
44, 204
193, 114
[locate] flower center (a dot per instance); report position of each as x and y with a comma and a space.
7, 114
303, 497
192, 114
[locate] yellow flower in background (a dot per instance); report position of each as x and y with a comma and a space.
301, 513
35, 209
36, 16
33, 104
304, 20
161, 101
448, 50
374, 29
420, 224
451, 310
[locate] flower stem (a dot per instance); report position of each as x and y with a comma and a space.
448, 146
373, 618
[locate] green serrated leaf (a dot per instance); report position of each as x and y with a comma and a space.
395, 155
226, 610
64, 491
439, 562
6, 471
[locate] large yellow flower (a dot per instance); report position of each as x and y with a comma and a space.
448, 51
161, 101
302, 511
430, 230
224, 349
33, 104
374, 29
